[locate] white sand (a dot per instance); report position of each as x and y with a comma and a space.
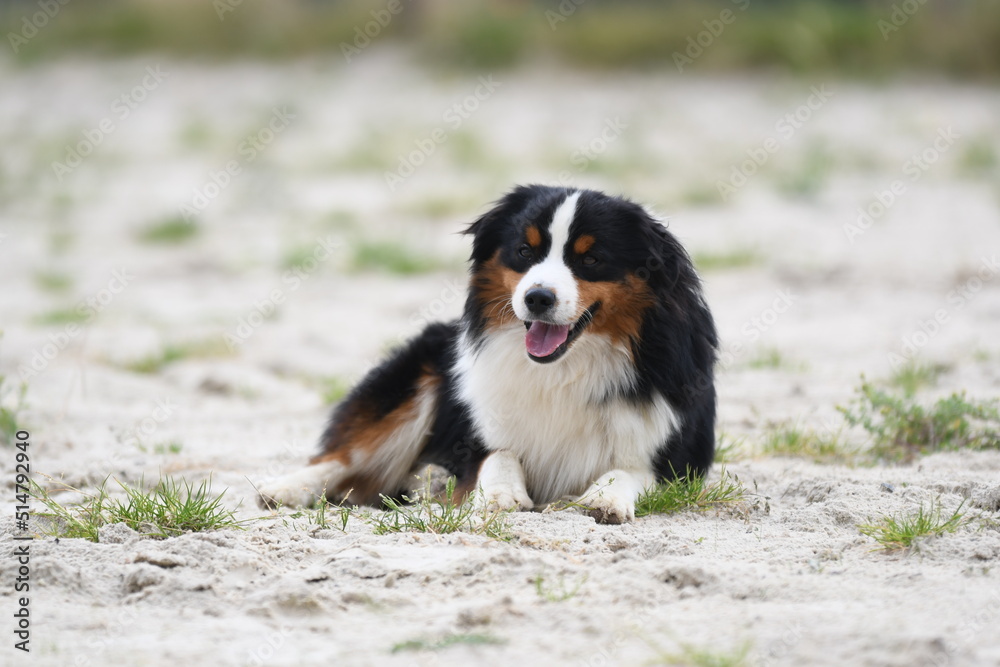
791, 578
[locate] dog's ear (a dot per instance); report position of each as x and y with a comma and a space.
486, 233
488, 230
669, 266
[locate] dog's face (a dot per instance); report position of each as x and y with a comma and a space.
565, 264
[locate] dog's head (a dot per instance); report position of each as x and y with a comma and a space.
569, 263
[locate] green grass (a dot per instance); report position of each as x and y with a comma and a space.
391, 257
448, 641
913, 376
731, 259
301, 258
902, 532
822, 36
163, 448
790, 440
979, 157
696, 656
728, 448
334, 389
155, 362
900, 428
326, 516
558, 591
428, 514
695, 493
808, 177
173, 231
768, 358
62, 316
53, 281
11, 405
170, 508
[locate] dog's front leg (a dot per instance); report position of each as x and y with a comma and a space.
611, 499
501, 483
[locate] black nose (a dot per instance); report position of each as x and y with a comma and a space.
539, 299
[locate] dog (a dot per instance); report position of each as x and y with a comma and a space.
581, 368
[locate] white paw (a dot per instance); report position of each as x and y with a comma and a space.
610, 508
271, 495
288, 491
502, 498
302, 488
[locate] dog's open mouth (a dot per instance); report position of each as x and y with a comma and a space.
547, 342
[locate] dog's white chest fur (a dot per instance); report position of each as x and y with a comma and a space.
563, 421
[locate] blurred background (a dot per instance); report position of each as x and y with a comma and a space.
236, 206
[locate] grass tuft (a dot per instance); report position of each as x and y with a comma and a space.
791, 440
62, 316
913, 376
11, 405
170, 508
695, 656
732, 259
901, 428
771, 358
691, 493
902, 532
171, 231
53, 281
326, 516
155, 362
429, 514
558, 592
448, 641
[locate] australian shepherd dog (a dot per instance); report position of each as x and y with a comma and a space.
581, 369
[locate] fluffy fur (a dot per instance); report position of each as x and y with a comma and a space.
581, 369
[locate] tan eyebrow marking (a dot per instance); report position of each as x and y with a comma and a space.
534, 237
583, 244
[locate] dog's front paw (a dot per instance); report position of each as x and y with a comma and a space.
503, 498
611, 509
286, 492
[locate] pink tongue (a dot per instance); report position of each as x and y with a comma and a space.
542, 339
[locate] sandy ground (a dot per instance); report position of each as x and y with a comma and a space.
788, 577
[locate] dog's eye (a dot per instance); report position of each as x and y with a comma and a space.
525, 251
590, 260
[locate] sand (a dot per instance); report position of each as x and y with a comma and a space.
786, 577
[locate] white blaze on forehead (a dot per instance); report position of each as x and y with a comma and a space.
552, 272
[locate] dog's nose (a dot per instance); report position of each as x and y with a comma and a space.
539, 299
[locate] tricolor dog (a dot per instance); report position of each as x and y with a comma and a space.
581, 368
